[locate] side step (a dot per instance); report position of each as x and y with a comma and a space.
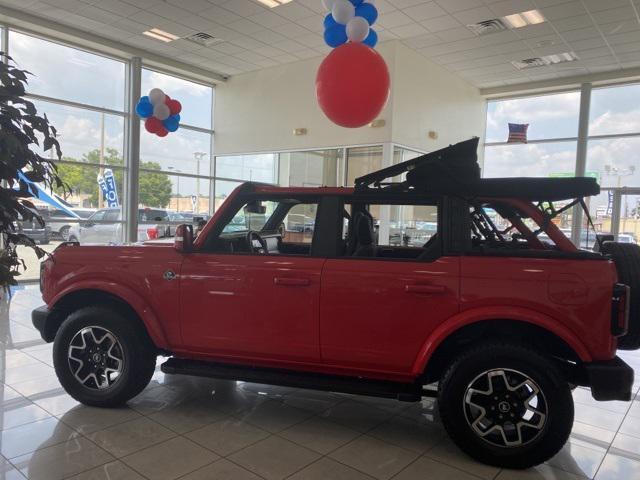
408, 392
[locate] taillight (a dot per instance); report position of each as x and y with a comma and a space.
42, 266
620, 310
152, 233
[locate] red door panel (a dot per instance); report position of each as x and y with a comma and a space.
251, 305
376, 314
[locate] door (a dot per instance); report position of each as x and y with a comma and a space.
251, 306
254, 303
380, 302
89, 230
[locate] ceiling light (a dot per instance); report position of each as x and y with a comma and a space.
561, 57
273, 3
545, 61
161, 35
530, 17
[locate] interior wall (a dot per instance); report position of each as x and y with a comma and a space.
429, 98
258, 111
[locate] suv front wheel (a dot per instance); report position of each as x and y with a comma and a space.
102, 358
506, 405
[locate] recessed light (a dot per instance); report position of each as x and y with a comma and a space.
274, 3
519, 20
545, 61
161, 35
560, 57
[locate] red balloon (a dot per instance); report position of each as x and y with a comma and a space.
162, 132
352, 85
153, 125
175, 106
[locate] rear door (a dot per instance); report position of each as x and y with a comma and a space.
377, 310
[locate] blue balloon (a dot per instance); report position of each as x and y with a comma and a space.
356, 2
372, 38
368, 12
171, 123
329, 21
144, 108
335, 35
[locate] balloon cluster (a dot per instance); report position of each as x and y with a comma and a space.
162, 113
350, 20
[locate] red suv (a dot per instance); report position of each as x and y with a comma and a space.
421, 273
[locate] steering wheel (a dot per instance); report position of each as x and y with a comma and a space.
253, 235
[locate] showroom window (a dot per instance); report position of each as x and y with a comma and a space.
89, 115
613, 143
552, 136
613, 153
175, 171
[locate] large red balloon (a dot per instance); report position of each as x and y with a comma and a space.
352, 85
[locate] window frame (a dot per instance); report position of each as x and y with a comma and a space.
231, 210
402, 199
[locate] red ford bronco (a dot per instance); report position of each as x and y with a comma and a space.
342, 289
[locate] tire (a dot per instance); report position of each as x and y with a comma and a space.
125, 357
465, 386
73, 238
626, 256
64, 233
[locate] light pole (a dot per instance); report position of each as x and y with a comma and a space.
620, 172
198, 156
175, 170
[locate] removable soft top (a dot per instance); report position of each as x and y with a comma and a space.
454, 170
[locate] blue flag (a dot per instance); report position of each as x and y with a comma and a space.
107, 183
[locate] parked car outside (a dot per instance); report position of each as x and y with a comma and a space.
505, 324
60, 222
105, 226
34, 230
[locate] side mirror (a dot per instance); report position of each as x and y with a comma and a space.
183, 242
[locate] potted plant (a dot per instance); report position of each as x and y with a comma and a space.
24, 135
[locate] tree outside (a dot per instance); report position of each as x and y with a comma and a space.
154, 188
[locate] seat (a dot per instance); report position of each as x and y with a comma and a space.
364, 236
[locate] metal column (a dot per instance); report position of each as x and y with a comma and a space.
581, 156
133, 151
385, 210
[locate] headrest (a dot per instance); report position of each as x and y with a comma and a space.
364, 229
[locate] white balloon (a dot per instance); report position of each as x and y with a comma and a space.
357, 29
343, 11
161, 111
156, 96
328, 4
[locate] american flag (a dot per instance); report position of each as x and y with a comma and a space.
518, 132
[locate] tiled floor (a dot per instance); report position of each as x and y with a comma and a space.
201, 429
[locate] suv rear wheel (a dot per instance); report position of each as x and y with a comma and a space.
102, 357
506, 405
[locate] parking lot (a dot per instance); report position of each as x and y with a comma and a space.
32, 262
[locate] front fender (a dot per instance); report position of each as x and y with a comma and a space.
127, 295
476, 315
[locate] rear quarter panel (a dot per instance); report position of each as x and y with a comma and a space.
574, 295
133, 273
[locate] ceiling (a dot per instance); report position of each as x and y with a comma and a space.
605, 34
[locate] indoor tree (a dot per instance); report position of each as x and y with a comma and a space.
23, 134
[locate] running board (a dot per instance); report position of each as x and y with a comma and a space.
408, 392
